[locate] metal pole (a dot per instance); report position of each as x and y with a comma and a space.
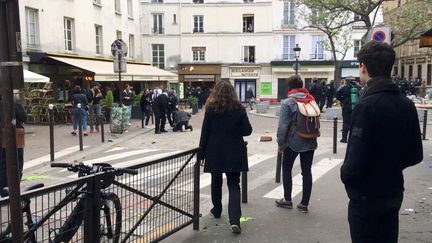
10, 61
119, 85
278, 167
101, 123
335, 119
51, 128
196, 213
142, 119
296, 69
424, 124
80, 131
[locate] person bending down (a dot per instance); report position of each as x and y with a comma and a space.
181, 121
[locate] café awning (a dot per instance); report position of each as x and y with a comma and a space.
103, 70
31, 77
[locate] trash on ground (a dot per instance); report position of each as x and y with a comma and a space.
110, 140
35, 177
245, 219
265, 139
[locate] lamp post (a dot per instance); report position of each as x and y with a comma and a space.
297, 50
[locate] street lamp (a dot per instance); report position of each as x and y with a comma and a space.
297, 50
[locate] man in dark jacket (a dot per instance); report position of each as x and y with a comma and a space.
128, 99
181, 121
384, 139
330, 91
343, 94
316, 91
250, 97
21, 117
160, 107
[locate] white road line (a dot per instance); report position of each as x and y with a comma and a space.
205, 179
318, 170
46, 158
145, 159
119, 156
114, 149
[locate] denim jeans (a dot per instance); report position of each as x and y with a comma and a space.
129, 107
83, 118
95, 109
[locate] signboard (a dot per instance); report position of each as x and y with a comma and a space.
266, 88
245, 72
122, 67
381, 34
119, 47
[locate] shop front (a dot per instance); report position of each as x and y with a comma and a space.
309, 70
244, 78
417, 68
349, 69
194, 75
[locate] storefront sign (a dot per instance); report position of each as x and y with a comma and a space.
409, 61
266, 88
244, 72
421, 60
112, 78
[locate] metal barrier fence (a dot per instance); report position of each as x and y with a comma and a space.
148, 207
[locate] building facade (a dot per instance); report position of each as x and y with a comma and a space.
71, 40
412, 62
250, 43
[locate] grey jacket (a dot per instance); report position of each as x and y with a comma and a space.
288, 115
181, 116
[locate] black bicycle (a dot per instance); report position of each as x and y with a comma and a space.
108, 201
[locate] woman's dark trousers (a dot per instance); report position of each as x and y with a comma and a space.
306, 159
233, 181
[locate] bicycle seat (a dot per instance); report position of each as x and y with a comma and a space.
4, 192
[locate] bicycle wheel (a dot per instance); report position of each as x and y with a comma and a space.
71, 225
111, 201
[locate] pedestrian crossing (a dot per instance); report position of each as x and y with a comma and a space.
121, 157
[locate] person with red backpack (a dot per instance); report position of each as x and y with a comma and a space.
298, 130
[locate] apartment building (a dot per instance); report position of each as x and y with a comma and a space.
248, 42
412, 62
71, 40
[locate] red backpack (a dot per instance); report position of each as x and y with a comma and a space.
307, 125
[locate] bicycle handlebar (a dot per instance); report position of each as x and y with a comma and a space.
128, 171
61, 165
91, 169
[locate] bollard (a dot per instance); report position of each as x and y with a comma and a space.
424, 124
51, 126
335, 119
101, 123
152, 118
278, 166
244, 184
80, 131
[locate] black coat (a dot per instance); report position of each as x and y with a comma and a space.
222, 145
160, 104
384, 139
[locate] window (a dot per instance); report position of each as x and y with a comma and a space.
32, 25
248, 1
69, 34
131, 46
198, 54
410, 72
357, 47
119, 34
419, 71
157, 1
130, 8
249, 54
429, 75
198, 24
317, 47
288, 12
248, 23
97, 2
99, 42
357, 17
315, 17
174, 19
288, 46
158, 55
117, 6
158, 24
198, 1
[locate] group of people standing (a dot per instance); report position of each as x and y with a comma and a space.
323, 93
381, 144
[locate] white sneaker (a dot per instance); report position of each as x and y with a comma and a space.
183, 128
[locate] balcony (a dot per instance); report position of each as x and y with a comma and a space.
249, 29
248, 60
157, 31
287, 57
286, 24
198, 30
317, 56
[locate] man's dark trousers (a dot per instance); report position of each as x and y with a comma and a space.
233, 181
346, 118
157, 114
374, 221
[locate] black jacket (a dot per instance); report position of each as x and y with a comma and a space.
20, 114
222, 145
316, 90
146, 101
130, 94
384, 139
160, 104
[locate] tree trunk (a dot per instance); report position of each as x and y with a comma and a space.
335, 61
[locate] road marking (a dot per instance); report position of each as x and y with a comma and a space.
119, 156
205, 179
114, 149
141, 160
46, 158
318, 170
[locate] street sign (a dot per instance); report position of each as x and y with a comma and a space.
120, 68
119, 47
296, 66
381, 34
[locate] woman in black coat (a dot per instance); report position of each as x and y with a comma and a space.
223, 149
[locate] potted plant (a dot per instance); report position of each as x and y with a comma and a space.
194, 103
106, 104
